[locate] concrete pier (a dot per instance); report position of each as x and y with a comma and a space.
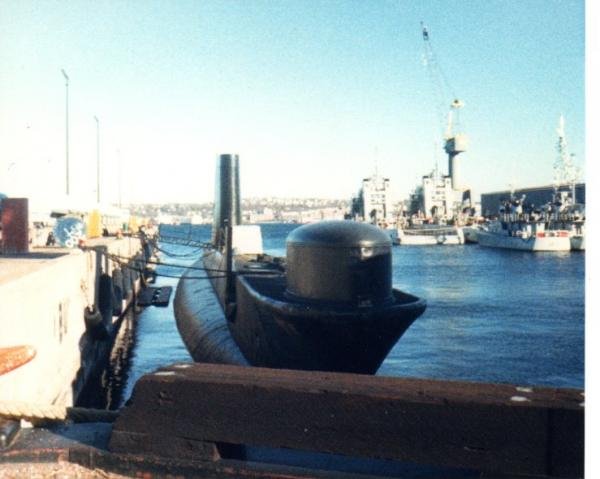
43, 295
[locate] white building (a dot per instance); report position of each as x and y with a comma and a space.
438, 196
374, 203
437, 199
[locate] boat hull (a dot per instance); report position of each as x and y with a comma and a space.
272, 332
431, 237
422, 240
532, 243
201, 322
329, 305
269, 328
577, 242
470, 234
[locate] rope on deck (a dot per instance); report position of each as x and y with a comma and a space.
32, 411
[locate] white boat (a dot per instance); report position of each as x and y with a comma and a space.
523, 235
470, 233
448, 235
569, 216
565, 212
571, 220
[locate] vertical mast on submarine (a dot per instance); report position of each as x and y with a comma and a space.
227, 209
227, 214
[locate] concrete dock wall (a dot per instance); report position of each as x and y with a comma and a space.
42, 302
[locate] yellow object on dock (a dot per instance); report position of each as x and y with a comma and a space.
94, 224
133, 225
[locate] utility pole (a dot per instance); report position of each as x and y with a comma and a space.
97, 159
67, 128
119, 175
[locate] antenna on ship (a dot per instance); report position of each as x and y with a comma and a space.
565, 172
436, 165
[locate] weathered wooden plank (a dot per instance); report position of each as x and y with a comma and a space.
162, 445
489, 427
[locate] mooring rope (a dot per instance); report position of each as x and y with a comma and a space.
178, 240
196, 251
33, 411
122, 261
212, 273
216, 273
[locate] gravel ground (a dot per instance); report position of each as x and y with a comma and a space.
55, 470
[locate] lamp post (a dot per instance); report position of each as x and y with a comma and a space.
97, 159
119, 175
67, 127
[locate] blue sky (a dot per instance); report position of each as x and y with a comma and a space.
311, 94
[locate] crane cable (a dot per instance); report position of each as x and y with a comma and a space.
438, 78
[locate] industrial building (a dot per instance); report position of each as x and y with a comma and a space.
373, 203
536, 196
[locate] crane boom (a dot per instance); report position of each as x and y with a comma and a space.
447, 111
436, 77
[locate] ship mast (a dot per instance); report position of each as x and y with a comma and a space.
565, 172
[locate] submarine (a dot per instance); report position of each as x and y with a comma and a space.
329, 305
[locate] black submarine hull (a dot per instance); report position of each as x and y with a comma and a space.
201, 322
329, 305
268, 328
273, 329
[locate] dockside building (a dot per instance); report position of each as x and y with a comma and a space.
537, 196
373, 203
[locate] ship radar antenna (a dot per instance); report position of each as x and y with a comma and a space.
565, 172
436, 167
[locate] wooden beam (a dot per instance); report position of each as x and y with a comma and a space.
489, 427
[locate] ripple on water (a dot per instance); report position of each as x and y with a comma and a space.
493, 315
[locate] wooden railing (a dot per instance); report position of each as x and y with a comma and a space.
192, 410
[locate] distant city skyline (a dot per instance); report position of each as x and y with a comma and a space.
312, 95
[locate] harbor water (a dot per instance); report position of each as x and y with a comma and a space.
493, 315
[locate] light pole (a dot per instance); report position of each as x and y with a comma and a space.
67, 126
119, 174
97, 159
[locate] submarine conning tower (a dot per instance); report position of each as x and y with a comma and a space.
340, 262
227, 196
